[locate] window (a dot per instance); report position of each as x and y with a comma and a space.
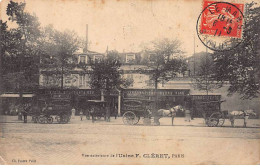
74, 79
97, 58
130, 78
87, 80
130, 58
81, 80
149, 82
82, 59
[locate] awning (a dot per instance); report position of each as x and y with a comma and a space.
15, 95
204, 94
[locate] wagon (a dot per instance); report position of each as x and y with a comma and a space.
56, 107
133, 109
211, 112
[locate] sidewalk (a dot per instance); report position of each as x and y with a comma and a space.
178, 121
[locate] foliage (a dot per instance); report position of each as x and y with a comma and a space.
58, 53
240, 66
204, 79
106, 74
27, 47
164, 63
19, 55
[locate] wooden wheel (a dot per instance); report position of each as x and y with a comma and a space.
214, 119
221, 120
42, 119
49, 120
129, 118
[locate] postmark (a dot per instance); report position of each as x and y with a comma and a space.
220, 25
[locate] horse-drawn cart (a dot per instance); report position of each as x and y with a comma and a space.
57, 106
133, 109
211, 112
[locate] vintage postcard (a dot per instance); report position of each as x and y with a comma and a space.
129, 82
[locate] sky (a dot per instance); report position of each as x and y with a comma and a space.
121, 25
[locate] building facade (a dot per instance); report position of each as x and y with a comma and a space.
169, 93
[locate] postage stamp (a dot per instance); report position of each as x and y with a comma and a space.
220, 25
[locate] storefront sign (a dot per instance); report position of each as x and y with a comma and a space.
206, 97
147, 92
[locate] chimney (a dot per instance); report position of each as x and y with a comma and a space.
85, 50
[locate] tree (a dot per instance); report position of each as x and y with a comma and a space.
165, 62
58, 54
4, 34
106, 75
204, 79
240, 66
19, 56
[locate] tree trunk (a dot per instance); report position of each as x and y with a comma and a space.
61, 77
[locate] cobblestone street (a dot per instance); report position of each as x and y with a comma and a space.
84, 142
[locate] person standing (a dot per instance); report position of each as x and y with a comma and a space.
92, 113
115, 111
81, 114
25, 113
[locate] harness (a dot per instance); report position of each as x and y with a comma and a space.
173, 112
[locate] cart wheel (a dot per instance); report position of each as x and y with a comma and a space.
214, 119
129, 118
221, 122
42, 119
49, 120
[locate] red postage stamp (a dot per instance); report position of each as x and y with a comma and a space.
222, 19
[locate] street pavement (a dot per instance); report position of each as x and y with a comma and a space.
83, 142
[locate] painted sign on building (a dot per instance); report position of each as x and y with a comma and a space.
151, 92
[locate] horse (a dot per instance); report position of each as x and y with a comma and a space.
168, 113
244, 114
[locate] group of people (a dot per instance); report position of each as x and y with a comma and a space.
23, 111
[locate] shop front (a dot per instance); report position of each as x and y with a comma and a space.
10, 102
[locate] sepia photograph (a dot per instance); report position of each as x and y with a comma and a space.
129, 82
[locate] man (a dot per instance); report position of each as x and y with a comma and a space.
81, 114
25, 113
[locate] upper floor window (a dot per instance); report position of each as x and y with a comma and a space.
82, 59
87, 80
130, 58
81, 80
97, 58
131, 78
